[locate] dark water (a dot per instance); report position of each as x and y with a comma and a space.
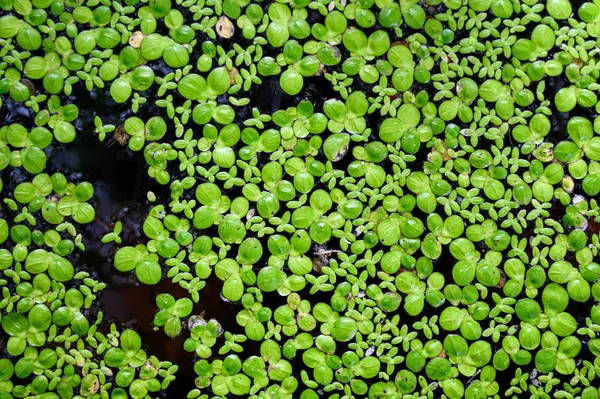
121, 183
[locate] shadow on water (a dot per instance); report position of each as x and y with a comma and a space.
121, 183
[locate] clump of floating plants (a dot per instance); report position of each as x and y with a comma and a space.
395, 199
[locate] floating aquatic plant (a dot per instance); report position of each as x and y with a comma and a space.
395, 199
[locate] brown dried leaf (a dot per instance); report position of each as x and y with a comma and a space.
135, 40
225, 27
121, 135
232, 74
29, 85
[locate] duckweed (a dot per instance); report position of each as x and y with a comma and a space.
392, 198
